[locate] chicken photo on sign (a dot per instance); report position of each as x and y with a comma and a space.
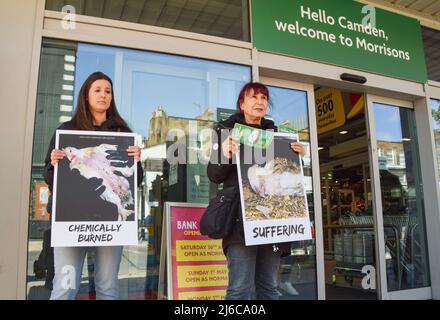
98, 178
93, 163
94, 193
274, 203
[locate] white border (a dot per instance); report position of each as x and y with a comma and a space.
130, 226
275, 222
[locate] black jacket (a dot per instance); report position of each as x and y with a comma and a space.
222, 170
48, 172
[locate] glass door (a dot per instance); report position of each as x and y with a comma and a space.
349, 229
299, 277
398, 200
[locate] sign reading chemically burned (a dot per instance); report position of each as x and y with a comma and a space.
94, 193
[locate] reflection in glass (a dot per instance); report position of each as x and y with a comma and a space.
221, 18
55, 88
169, 101
347, 207
431, 43
402, 198
435, 109
297, 277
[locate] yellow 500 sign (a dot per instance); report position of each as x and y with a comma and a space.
330, 112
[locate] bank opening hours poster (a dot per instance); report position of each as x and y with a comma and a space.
196, 265
273, 198
94, 191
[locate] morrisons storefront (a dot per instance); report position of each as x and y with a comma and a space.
358, 80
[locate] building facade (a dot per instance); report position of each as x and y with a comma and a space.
371, 171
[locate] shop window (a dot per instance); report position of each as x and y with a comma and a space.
390, 157
401, 158
297, 275
431, 41
221, 18
53, 105
380, 152
154, 93
435, 109
406, 251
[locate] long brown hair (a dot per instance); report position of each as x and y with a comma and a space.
83, 118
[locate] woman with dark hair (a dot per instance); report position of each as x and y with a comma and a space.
248, 266
96, 111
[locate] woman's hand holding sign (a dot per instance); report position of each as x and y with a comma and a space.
297, 147
229, 147
55, 156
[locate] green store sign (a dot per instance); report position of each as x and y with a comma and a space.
341, 32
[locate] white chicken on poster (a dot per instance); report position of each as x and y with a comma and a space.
94, 200
273, 198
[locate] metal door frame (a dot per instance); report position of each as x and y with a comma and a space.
319, 240
382, 287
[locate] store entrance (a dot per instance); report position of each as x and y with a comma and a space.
347, 213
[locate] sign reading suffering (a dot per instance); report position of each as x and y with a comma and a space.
273, 198
341, 32
197, 267
94, 193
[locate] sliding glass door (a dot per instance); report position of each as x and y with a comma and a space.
398, 200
